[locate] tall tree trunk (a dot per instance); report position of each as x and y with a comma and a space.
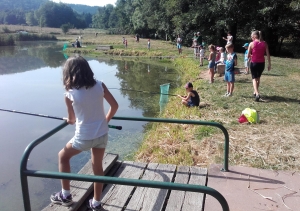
280, 44
271, 37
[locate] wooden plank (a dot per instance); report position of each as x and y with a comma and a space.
194, 201
114, 197
177, 197
145, 199
111, 173
80, 190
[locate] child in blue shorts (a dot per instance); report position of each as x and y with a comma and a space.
229, 69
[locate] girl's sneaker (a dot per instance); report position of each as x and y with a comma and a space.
58, 198
97, 208
257, 97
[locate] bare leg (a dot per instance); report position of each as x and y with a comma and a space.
212, 74
97, 159
184, 103
231, 84
64, 157
256, 82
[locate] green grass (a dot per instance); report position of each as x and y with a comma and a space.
274, 143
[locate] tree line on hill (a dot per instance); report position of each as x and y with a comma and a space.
44, 13
278, 19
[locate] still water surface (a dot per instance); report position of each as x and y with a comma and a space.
31, 80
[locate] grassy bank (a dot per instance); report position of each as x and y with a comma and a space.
273, 143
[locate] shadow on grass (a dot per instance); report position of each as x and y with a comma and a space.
275, 98
243, 81
204, 105
270, 74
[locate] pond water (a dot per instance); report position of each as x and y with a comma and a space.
31, 81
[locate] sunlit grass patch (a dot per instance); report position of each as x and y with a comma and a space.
273, 143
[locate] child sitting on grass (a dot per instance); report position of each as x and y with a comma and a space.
192, 99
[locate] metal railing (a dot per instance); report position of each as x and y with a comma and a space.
24, 172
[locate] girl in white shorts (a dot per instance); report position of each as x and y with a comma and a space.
84, 99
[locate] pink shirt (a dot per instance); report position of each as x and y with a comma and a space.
258, 51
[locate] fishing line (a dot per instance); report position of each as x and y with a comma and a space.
51, 117
143, 91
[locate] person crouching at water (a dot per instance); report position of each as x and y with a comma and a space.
192, 99
84, 99
76, 44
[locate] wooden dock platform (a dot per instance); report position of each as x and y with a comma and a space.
121, 197
244, 188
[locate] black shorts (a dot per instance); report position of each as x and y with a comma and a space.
257, 69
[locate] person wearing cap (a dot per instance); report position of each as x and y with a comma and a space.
192, 99
199, 38
195, 45
246, 59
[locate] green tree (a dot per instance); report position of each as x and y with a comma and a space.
65, 28
30, 19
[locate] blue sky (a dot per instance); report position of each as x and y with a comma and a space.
88, 2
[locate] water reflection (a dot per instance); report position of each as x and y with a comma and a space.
32, 74
28, 56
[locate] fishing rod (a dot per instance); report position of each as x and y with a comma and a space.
51, 117
144, 91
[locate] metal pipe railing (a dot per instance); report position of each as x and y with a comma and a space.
190, 122
24, 172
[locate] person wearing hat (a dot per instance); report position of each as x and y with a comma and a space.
199, 38
195, 45
192, 99
246, 59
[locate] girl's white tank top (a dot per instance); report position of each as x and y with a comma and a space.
89, 110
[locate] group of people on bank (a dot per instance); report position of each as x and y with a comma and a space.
254, 59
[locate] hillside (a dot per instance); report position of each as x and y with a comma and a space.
27, 5
21, 4
80, 8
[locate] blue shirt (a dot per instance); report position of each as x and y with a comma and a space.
229, 64
246, 55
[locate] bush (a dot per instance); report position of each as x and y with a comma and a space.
5, 29
7, 40
65, 28
33, 37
